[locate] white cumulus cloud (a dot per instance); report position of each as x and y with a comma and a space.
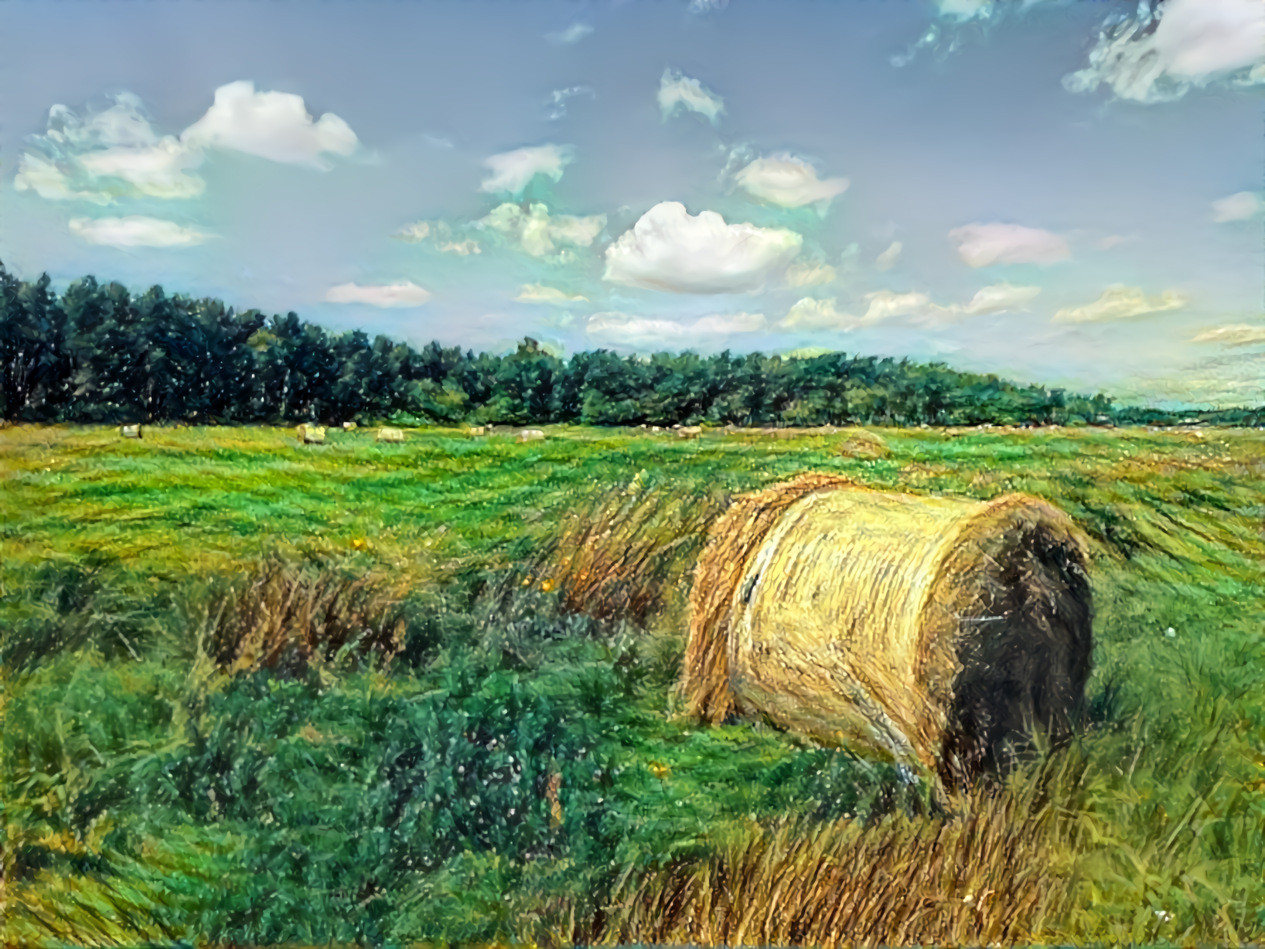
272, 125
512, 171
382, 295
539, 233
539, 293
788, 182
638, 332
1160, 53
1241, 206
981, 245
678, 91
887, 259
669, 249
1234, 334
1120, 302
105, 155
115, 153
135, 231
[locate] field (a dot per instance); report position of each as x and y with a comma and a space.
260, 692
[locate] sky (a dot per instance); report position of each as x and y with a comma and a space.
1058, 191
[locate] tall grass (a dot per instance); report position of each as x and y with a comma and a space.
627, 552
283, 616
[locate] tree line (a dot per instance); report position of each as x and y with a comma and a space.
99, 353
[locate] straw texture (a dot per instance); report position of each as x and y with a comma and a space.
938, 631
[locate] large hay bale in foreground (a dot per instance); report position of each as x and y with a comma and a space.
935, 630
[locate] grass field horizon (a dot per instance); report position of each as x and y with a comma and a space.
515, 764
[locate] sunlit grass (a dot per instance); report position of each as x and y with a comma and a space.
1146, 829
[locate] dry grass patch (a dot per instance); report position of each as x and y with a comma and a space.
285, 616
623, 555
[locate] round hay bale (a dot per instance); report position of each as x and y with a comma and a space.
937, 631
311, 434
859, 443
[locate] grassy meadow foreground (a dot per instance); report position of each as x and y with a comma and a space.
260, 692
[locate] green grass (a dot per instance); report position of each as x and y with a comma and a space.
149, 797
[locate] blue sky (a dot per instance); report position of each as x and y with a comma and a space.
1056, 190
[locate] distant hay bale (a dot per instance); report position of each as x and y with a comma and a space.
349, 426
311, 434
130, 431
477, 430
531, 435
689, 431
937, 631
390, 435
859, 443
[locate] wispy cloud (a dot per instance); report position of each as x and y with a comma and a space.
887, 259
787, 181
810, 313
1000, 298
512, 171
678, 92
1241, 206
406, 294
1234, 334
881, 306
1120, 302
651, 333
539, 293
571, 35
556, 104
135, 231
981, 245
810, 274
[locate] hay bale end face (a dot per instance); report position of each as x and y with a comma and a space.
349, 426
130, 431
390, 435
937, 631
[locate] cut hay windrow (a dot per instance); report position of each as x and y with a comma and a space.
937, 631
